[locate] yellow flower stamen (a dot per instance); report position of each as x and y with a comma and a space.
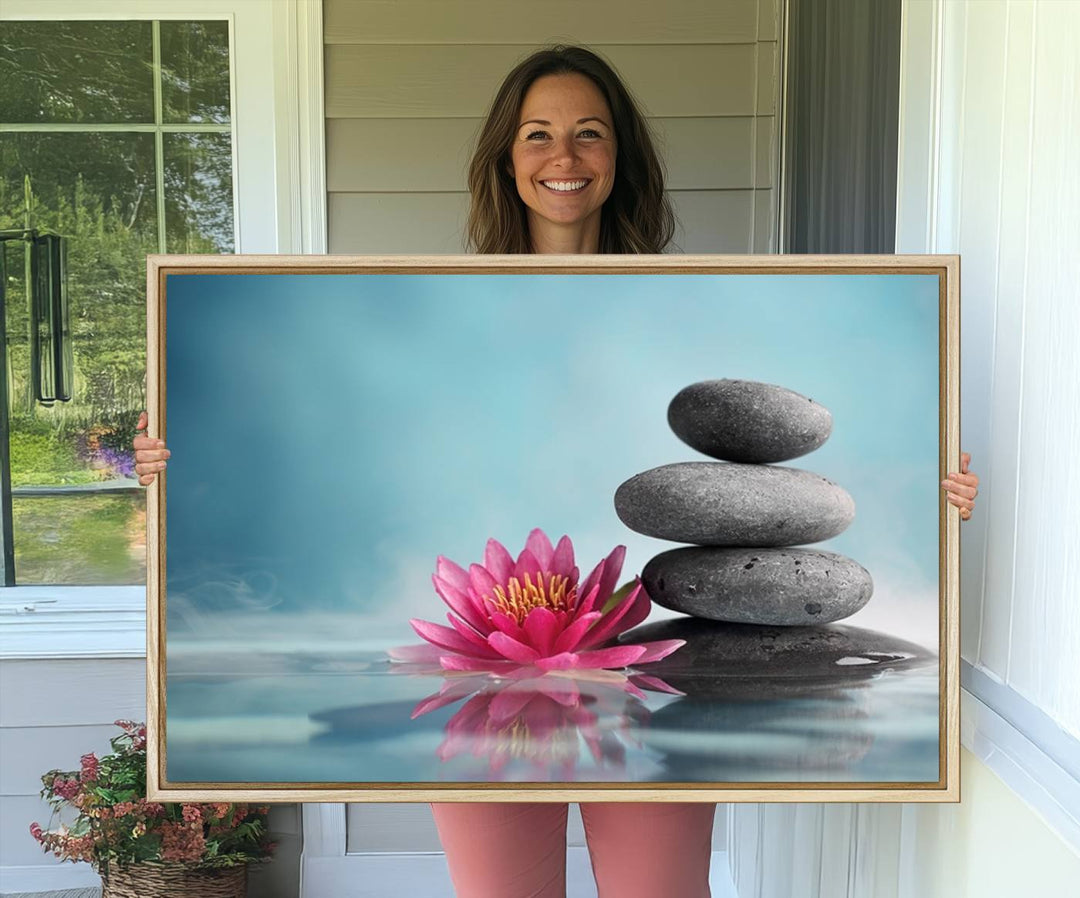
516, 742
517, 599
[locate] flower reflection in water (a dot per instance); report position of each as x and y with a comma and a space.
533, 722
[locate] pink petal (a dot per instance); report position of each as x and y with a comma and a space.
527, 563
630, 612
616, 656
498, 561
450, 639
559, 689
593, 579
452, 573
655, 683
612, 567
424, 652
512, 649
632, 689
570, 637
585, 606
461, 602
446, 696
471, 717
481, 580
654, 651
508, 625
562, 661
539, 546
462, 662
562, 562
468, 632
542, 628
508, 703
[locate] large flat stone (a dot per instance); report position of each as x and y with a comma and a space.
758, 586
730, 504
717, 649
748, 421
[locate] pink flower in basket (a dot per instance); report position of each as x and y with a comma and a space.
533, 611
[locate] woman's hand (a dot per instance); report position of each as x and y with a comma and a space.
961, 489
150, 454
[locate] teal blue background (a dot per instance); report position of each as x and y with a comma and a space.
333, 434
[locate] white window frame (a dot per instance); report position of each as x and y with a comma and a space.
279, 206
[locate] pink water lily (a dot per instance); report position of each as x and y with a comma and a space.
533, 611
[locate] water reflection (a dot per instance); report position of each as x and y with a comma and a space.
528, 724
353, 717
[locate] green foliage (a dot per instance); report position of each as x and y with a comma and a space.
106, 288
87, 539
100, 191
43, 458
116, 825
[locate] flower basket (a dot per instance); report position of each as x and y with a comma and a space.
149, 849
171, 880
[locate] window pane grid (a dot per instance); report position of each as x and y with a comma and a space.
82, 129
190, 74
159, 140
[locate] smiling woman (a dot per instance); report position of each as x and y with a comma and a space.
563, 162
561, 117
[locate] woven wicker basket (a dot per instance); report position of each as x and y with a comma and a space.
149, 880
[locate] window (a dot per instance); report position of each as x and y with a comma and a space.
116, 135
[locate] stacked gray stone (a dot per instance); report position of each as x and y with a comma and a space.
743, 515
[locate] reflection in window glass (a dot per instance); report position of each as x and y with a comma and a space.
78, 512
198, 193
195, 71
86, 540
104, 174
76, 72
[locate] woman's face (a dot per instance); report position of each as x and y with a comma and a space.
563, 154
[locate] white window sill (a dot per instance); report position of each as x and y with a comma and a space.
1038, 760
73, 622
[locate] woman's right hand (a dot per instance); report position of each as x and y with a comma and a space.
150, 454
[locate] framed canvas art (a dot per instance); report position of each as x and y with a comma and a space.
585, 528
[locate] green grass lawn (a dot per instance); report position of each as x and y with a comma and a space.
85, 539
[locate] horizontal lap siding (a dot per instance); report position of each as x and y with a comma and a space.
710, 221
460, 80
408, 84
55, 711
432, 154
525, 22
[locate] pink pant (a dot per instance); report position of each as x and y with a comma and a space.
518, 850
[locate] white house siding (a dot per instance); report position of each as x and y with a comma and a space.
53, 712
408, 84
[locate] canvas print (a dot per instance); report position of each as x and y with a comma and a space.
435, 528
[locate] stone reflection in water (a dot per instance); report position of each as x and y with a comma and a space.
761, 698
525, 725
717, 741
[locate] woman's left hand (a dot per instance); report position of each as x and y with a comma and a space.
961, 489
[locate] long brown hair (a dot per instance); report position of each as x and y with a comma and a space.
637, 216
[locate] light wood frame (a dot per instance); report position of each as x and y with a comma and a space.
947, 789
